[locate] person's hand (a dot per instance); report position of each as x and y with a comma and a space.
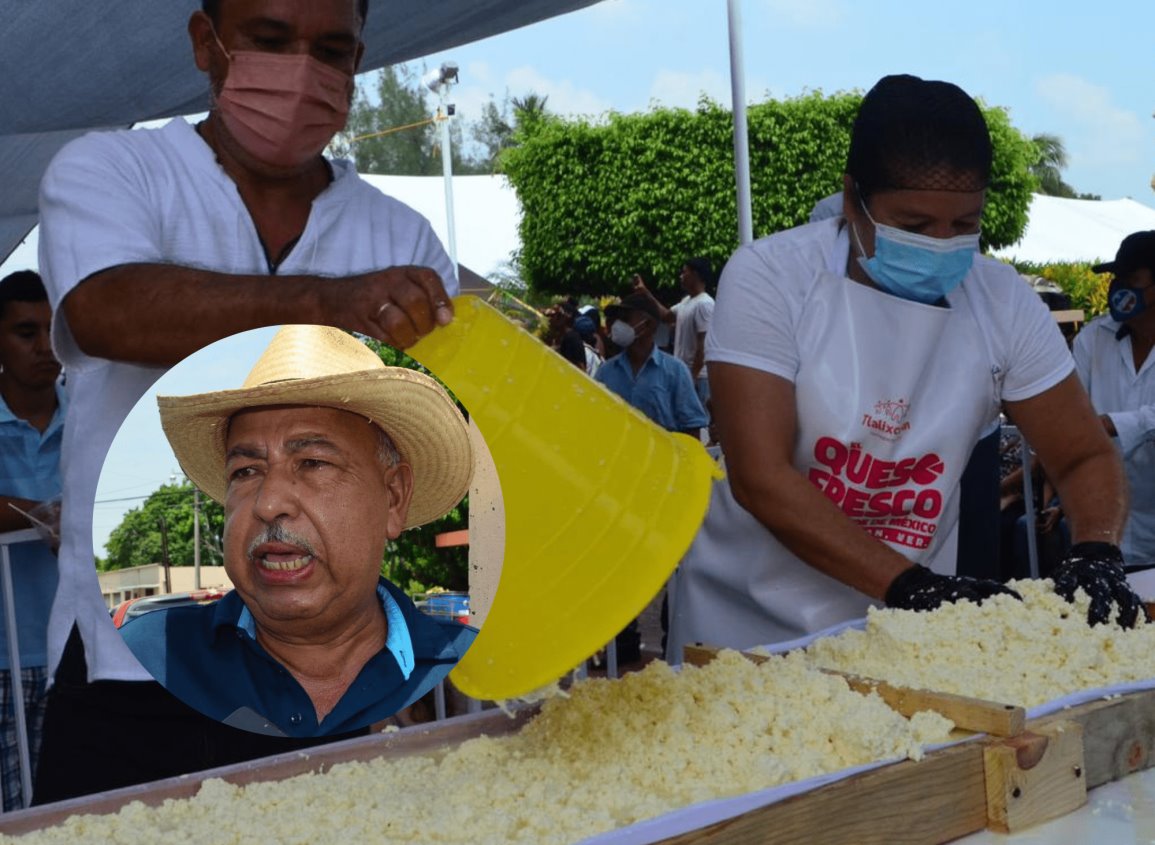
1049, 518
46, 520
918, 588
639, 284
397, 305
1097, 569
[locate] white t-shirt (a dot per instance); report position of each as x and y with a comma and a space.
891, 397
159, 196
693, 317
1106, 367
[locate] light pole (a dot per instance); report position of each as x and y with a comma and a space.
741, 139
439, 81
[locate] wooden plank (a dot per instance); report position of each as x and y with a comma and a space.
970, 714
1118, 735
1035, 776
937, 799
1074, 315
419, 739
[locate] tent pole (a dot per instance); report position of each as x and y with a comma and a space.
741, 140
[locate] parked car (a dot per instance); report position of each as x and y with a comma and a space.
132, 608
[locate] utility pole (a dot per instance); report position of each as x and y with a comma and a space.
164, 556
196, 538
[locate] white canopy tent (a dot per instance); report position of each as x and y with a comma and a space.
1062, 230
73, 65
486, 208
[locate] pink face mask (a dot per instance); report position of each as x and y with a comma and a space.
282, 108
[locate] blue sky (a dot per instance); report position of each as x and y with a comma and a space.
1072, 69
1075, 70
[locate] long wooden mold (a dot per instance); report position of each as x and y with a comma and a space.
419, 739
938, 799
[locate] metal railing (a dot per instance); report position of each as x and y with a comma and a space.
1028, 498
8, 539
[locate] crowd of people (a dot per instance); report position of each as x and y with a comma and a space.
847, 369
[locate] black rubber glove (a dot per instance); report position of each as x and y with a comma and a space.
918, 588
1098, 569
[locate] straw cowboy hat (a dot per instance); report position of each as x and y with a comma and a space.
318, 365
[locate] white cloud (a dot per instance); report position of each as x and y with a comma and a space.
806, 13
1103, 132
565, 98
677, 88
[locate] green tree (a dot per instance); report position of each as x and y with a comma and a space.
1049, 168
139, 538
642, 192
394, 131
400, 102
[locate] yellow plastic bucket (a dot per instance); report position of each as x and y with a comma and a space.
600, 503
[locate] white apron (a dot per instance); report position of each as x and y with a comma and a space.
891, 398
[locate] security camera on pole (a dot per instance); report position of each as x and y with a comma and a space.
439, 82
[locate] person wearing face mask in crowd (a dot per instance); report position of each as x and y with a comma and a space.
156, 243
653, 381
1114, 361
853, 364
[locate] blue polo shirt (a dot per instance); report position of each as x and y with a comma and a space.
30, 469
208, 656
662, 389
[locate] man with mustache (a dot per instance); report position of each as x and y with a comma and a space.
321, 458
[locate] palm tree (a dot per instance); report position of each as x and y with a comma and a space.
1050, 165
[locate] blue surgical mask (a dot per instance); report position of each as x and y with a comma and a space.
917, 267
1126, 303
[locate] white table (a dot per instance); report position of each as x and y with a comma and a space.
1115, 813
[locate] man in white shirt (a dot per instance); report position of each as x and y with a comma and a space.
155, 243
1114, 361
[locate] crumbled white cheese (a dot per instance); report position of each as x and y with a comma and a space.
611, 754
1024, 653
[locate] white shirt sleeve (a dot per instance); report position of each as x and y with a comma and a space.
1134, 427
1037, 357
1081, 352
428, 252
759, 301
96, 212
703, 315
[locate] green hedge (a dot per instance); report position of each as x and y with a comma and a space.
643, 192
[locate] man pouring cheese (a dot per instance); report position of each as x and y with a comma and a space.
854, 363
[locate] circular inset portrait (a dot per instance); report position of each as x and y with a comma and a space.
303, 573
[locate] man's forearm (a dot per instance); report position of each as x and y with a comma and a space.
158, 314
1094, 497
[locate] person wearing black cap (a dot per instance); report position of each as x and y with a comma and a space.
1114, 361
654, 382
853, 364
